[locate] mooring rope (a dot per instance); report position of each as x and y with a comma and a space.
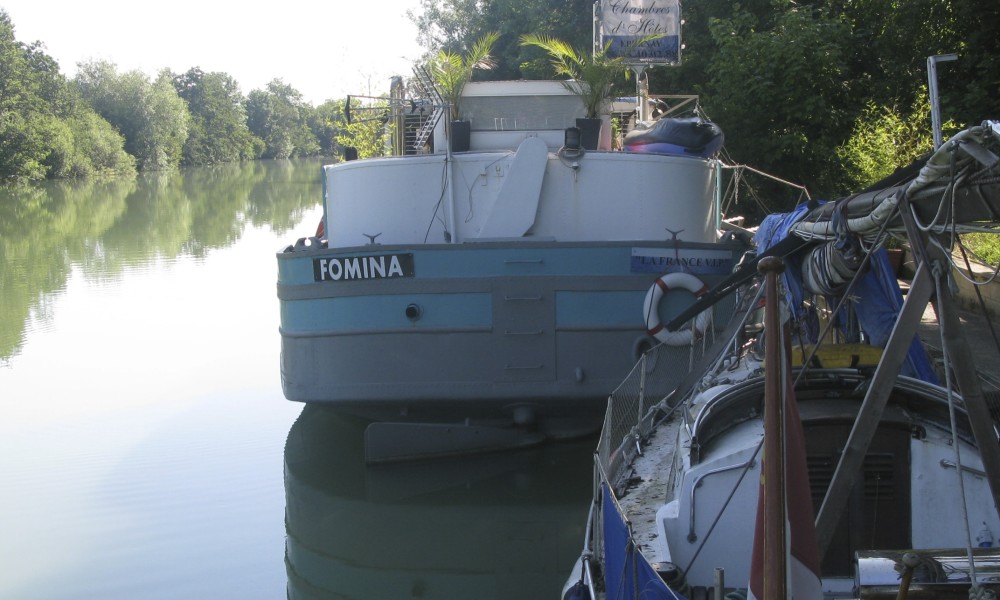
936, 271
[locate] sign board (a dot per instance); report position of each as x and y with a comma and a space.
697, 261
350, 268
624, 22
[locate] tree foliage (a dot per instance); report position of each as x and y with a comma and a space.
109, 122
885, 139
326, 123
778, 90
369, 133
149, 114
592, 74
218, 129
46, 130
454, 25
451, 71
789, 81
280, 118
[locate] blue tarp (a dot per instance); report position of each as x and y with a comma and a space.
879, 298
627, 576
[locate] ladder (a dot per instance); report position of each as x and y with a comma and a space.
428, 90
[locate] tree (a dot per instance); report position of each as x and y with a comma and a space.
149, 114
445, 23
885, 139
452, 25
85, 144
451, 71
46, 130
593, 74
279, 116
370, 133
326, 123
218, 129
22, 147
779, 92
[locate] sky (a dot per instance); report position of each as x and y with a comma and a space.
325, 50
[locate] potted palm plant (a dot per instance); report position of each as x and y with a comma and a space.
450, 72
592, 76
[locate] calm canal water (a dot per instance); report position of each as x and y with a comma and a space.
146, 450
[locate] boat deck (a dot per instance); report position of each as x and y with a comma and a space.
648, 489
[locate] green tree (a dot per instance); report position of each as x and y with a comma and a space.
22, 131
218, 129
46, 130
326, 123
149, 114
445, 24
453, 25
451, 71
885, 139
84, 144
370, 133
779, 92
280, 118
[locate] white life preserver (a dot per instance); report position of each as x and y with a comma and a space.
650, 309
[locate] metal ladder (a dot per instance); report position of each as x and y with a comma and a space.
427, 89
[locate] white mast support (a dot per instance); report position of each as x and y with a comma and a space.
932, 86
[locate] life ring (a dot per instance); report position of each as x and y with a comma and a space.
657, 291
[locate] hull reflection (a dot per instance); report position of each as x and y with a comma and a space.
504, 525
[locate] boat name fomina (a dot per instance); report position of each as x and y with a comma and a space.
363, 267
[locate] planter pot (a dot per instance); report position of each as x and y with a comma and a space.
895, 260
590, 132
461, 134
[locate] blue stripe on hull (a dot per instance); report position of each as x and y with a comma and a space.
494, 324
357, 314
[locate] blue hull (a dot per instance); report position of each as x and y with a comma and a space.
472, 331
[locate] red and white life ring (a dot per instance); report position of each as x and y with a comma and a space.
650, 309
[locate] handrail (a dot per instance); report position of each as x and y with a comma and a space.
692, 537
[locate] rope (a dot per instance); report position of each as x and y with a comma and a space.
801, 188
955, 441
845, 296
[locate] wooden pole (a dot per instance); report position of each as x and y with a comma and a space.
773, 468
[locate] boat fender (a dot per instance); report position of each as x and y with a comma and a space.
650, 309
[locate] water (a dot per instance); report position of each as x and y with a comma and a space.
143, 430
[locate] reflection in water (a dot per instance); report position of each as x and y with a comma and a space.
503, 525
101, 228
